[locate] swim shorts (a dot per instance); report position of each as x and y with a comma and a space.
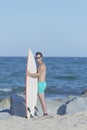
41, 87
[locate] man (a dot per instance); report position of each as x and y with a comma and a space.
41, 74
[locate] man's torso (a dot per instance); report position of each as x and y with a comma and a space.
42, 70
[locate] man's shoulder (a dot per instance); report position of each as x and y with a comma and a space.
43, 66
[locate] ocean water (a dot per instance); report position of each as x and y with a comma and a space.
65, 76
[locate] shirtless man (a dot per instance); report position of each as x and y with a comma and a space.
41, 74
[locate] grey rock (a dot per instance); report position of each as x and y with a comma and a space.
75, 105
84, 93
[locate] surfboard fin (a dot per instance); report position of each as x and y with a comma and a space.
29, 109
31, 115
30, 112
36, 109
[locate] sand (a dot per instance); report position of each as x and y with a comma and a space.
52, 122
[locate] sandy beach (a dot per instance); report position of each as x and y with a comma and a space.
53, 121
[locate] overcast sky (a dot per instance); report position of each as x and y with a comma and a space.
54, 27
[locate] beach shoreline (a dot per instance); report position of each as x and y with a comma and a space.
52, 121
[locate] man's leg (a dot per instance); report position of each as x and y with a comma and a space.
43, 103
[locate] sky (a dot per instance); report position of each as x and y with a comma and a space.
54, 27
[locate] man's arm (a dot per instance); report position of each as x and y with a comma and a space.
36, 74
33, 74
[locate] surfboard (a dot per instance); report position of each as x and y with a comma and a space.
31, 86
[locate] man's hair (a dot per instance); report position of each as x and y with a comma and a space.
39, 53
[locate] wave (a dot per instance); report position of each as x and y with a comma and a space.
5, 89
12, 89
51, 89
65, 77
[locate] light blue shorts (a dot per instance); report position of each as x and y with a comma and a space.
41, 87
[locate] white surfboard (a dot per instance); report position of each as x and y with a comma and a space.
31, 86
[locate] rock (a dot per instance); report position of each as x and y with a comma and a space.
5, 103
84, 93
4, 116
18, 107
75, 105
62, 109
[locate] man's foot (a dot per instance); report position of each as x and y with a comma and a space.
45, 114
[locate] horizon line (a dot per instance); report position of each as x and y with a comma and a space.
51, 56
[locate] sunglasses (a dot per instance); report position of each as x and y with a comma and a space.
37, 57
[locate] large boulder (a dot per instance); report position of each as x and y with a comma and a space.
18, 107
75, 105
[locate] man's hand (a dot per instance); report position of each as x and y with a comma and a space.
28, 73
34, 75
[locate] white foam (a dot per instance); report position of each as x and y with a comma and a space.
5, 89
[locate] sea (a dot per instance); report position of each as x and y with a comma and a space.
66, 76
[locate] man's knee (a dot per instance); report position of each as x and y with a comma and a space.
41, 96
